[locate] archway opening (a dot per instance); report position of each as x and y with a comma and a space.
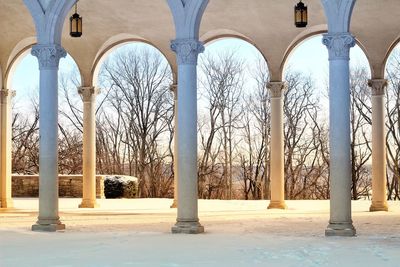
135, 118
233, 121
392, 109
306, 131
23, 77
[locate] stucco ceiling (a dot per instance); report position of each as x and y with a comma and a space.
268, 24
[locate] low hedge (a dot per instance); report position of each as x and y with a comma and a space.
120, 186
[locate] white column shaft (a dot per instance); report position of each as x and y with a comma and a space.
378, 149
48, 56
379, 196
187, 144
48, 146
187, 51
339, 134
187, 17
6, 143
89, 147
277, 146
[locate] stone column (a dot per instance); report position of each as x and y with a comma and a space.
6, 133
339, 45
379, 196
89, 147
174, 89
187, 51
277, 90
48, 56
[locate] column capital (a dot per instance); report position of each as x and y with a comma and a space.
48, 55
339, 45
187, 50
276, 88
5, 94
88, 93
378, 86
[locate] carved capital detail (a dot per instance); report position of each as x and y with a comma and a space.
48, 55
88, 93
187, 50
277, 89
339, 45
378, 86
6, 95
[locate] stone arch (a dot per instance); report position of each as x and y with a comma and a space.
389, 51
117, 41
215, 35
1, 77
360, 44
309, 33
17, 54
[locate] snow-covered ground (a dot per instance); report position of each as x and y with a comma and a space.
136, 232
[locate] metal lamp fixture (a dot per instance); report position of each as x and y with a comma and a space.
75, 23
300, 15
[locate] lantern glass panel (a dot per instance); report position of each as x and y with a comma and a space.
298, 16
73, 25
305, 16
79, 26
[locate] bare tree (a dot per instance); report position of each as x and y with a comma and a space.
393, 126
254, 154
25, 140
222, 82
138, 115
302, 145
360, 119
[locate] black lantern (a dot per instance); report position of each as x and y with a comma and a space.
75, 24
300, 15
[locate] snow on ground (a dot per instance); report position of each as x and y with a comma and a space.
136, 232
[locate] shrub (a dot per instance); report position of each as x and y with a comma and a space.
120, 187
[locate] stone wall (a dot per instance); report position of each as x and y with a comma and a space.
69, 186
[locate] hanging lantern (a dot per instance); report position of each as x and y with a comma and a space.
300, 15
75, 23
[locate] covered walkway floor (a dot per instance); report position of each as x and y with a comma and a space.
240, 233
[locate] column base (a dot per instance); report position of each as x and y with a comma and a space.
174, 205
187, 228
47, 226
379, 206
277, 205
88, 204
340, 229
6, 203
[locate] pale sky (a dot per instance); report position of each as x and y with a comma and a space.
25, 80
